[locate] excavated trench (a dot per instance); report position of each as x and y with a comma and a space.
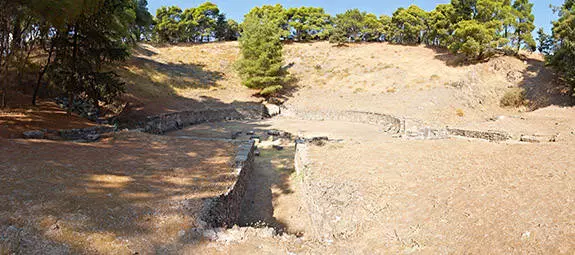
273, 194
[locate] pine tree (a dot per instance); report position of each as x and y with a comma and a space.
260, 65
525, 26
545, 42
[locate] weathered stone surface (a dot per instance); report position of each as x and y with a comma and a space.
486, 135
177, 120
87, 134
529, 139
34, 134
271, 110
224, 211
388, 123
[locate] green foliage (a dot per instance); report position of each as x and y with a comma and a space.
354, 25
545, 42
441, 24
276, 15
409, 25
260, 65
524, 25
81, 38
563, 58
308, 23
203, 23
231, 31
474, 39
168, 27
92, 41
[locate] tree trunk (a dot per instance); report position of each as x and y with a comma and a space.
74, 56
41, 74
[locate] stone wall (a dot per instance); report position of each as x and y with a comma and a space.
388, 123
89, 134
224, 211
177, 120
493, 136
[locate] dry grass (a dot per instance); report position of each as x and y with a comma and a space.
460, 112
514, 97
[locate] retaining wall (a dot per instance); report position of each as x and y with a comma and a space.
493, 136
225, 210
388, 123
177, 120
85, 133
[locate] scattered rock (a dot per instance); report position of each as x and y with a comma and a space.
272, 110
501, 117
514, 76
236, 134
276, 101
34, 134
274, 132
92, 137
278, 147
529, 139
257, 152
319, 141
250, 132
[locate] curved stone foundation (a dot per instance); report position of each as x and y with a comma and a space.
388, 123
177, 120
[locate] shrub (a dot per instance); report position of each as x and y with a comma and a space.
514, 97
271, 90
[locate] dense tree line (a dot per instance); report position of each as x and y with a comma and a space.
199, 24
560, 46
79, 39
477, 28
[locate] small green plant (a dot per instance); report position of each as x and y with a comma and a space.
391, 90
435, 77
514, 97
358, 90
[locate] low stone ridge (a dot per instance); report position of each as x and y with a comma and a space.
224, 211
79, 134
33, 134
85, 134
177, 120
388, 123
493, 136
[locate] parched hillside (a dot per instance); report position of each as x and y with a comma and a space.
411, 81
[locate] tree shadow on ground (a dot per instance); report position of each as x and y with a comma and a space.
91, 197
542, 87
450, 59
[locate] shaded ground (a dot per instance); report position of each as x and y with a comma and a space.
130, 193
21, 117
184, 77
